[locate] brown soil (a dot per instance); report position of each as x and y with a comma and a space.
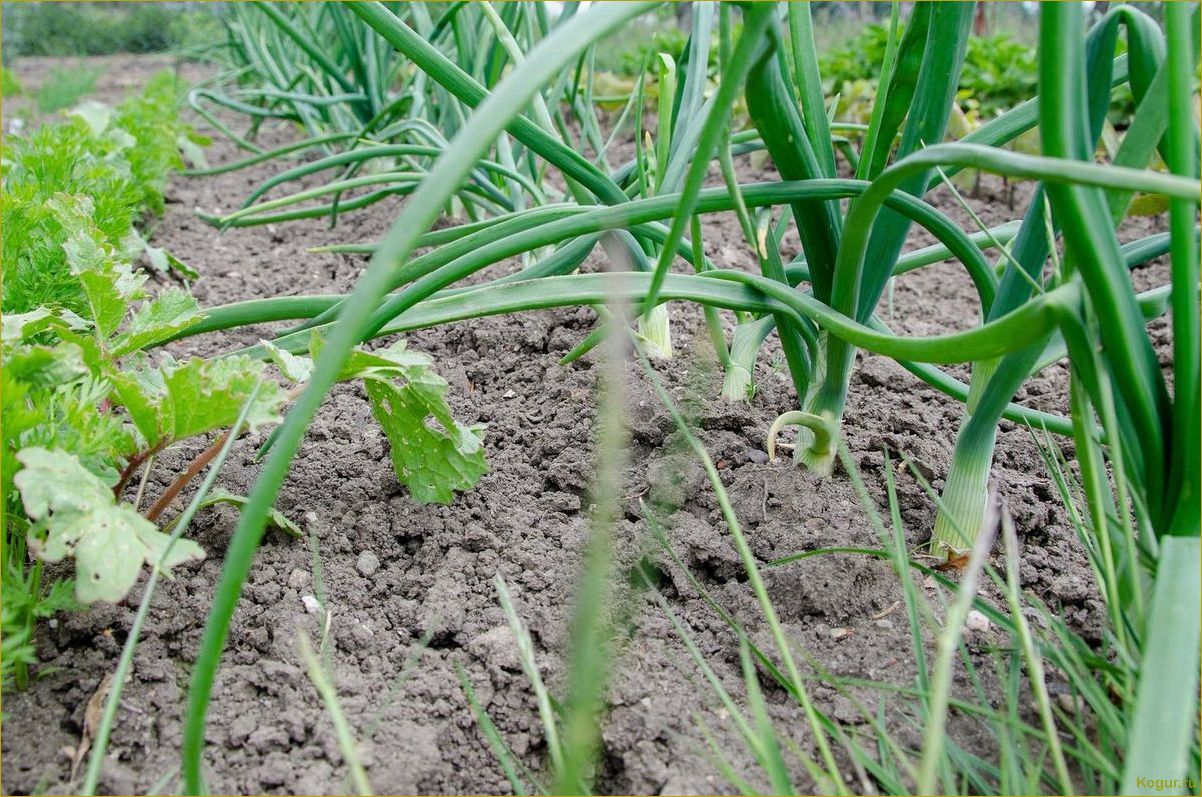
527, 521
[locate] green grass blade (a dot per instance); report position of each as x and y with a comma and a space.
1166, 713
125, 663
473, 141
509, 762
767, 742
1185, 441
933, 740
342, 729
784, 646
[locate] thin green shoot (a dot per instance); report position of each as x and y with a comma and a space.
411, 661
784, 648
525, 648
125, 662
347, 745
984, 229
1034, 662
501, 750
941, 677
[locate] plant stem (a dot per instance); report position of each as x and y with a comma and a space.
342, 729
198, 464
132, 466
142, 483
135, 632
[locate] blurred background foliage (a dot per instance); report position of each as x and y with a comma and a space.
999, 71
105, 28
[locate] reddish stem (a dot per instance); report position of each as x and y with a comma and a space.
132, 466
197, 465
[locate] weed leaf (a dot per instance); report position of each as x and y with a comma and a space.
175, 401
157, 320
81, 518
431, 459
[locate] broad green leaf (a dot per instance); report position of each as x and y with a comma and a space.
56, 481
156, 543
89, 253
107, 280
139, 388
294, 368
432, 454
178, 400
160, 259
203, 395
157, 320
80, 518
106, 301
108, 549
15, 327
95, 114
172, 262
46, 366
396, 360
193, 153
73, 329
432, 463
392, 361
275, 517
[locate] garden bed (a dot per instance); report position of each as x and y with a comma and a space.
397, 573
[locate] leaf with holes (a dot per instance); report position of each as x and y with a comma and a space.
76, 515
174, 400
295, 368
108, 281
157, 320
432, 454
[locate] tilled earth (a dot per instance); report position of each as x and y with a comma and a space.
396, 572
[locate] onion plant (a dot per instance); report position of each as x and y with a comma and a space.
509, 131
1109, 318
379, 122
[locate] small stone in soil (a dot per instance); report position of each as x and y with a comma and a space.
757, 456
298, 579
976, 621
312, 605
361, 634
367, 564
